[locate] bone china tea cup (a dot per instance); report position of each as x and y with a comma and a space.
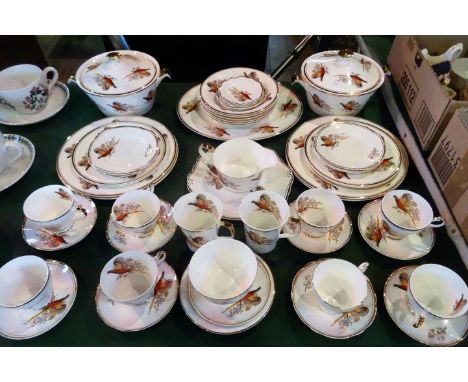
53, 208
239, 163
199, 217
136, 212
26, 88
25, 283
405, 213
5, 159
130, 277
223, 270
341, 286
319, 211
436, 291
264, 213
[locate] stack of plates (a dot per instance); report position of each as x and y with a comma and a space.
356, 158
238, 97
109, 157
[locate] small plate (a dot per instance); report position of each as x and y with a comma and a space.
21, 324
57, 101
278, 179
337, 326
406, 248
239, 312
433, 332
165, 229
132, 318
20, 167
333, 241
287, 112
44, 241
239, 309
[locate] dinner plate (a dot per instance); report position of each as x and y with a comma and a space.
21, 166
299, 164
73, 180
57, 101
285, 115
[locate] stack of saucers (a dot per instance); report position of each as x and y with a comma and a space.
112, 156
356, 158
226, 288
238, 97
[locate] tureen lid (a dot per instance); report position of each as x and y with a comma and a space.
118, 72
342, 72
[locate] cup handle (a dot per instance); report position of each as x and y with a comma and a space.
229, 227
363, 267
19, 152
83, 213
296, 229
205, 150
52, 81
437, 222
160, 257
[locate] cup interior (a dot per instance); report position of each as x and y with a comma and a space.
320, 208
197, 211
339, 283
18, 77
238, 158
22, 279
407, 210
222, 269
128, 276
264, 210
48, 203
136, 208
438, 290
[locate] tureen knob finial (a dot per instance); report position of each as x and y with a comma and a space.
113, 55
345, 53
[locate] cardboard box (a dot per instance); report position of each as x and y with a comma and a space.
449, 162
426, 101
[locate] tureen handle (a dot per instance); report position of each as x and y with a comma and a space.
164, 74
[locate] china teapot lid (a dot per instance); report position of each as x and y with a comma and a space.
342, 72
117, 73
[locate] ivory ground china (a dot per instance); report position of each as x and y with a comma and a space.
339, 82
82, 165
211, 327
126, 241
407, 213
128, 318
57, 100
334, 240
240, 312
286, 113
348, 147
433, 331
331, 325
69, 176
298, 163
202, 179
121, 82
21, 166
123, 151
20, 324
9, 153
383, 174
45, 240
223, 270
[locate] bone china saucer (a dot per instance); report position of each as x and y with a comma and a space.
433, 331
201, 179
410, 247
44, 240
21, 324
235, 318
287, 112
124, 241
57, 100
337, 326
337, 238
132, 318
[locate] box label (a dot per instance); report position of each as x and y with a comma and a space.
445, 160
408, 87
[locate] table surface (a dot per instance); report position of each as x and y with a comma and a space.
281, 327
